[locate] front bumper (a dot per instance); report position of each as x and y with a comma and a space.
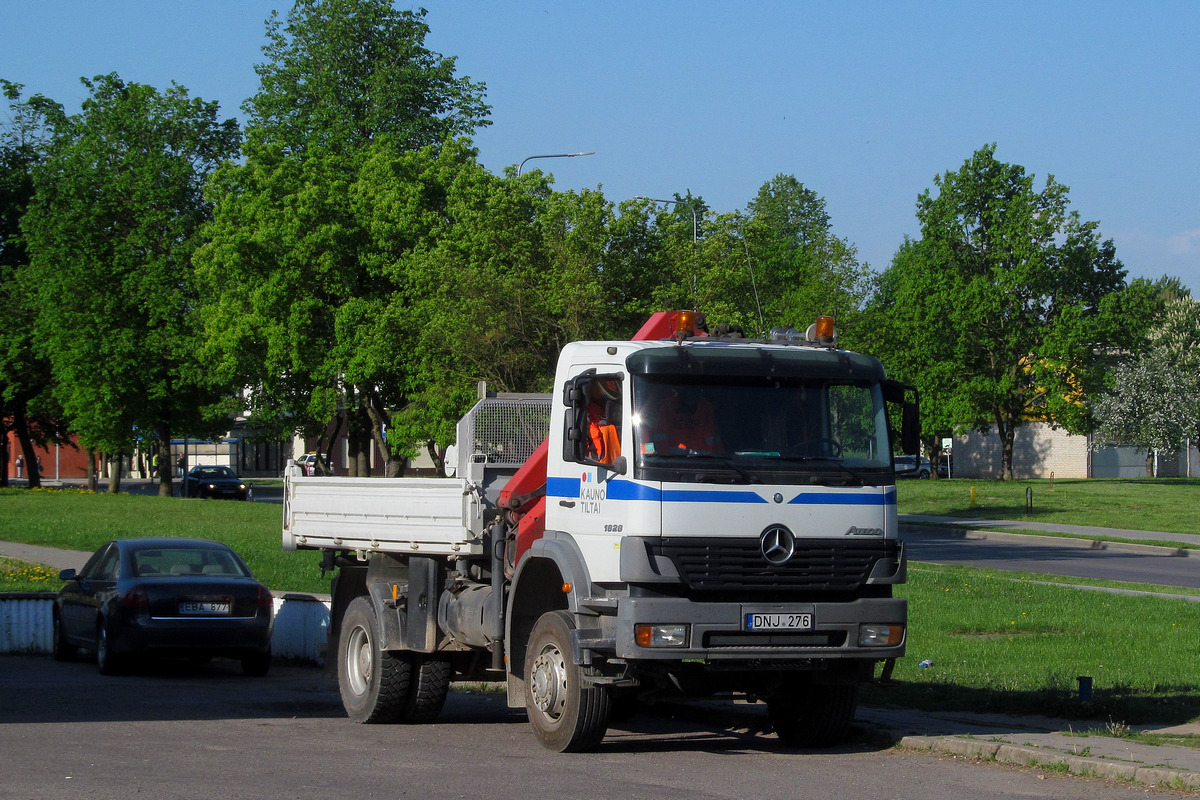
717, 631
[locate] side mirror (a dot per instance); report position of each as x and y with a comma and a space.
910, 428
67, 575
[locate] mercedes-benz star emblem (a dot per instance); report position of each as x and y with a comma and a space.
778, 544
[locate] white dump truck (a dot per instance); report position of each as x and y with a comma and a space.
686, 515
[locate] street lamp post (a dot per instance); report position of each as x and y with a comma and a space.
686, 205
521, 166
695, 226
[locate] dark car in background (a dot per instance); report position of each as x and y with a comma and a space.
164, 597
215, 482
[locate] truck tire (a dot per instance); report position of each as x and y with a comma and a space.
374, 683
567, 715
817, 716
430, 685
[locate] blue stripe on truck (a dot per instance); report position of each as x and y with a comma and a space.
628, 490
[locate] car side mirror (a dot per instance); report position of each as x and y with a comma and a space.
67, 575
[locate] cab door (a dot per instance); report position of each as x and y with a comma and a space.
587, 486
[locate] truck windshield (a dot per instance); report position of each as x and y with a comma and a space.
760, 430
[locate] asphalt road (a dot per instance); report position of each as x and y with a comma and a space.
187, 731
1053, 556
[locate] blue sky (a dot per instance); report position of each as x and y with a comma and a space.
863, 102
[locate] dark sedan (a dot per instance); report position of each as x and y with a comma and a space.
177, 597
217, 482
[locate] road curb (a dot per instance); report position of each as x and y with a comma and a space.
1081, 542
1084, 543
1036, 756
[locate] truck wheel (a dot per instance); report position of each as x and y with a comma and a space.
567, 716
430, 685
818, 716
374, 683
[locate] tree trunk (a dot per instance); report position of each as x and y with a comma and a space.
166, 470
1010, 436
32, 471
438, 454
393, 467
93, 480
352, 452
114, 474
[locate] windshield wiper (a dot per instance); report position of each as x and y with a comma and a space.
724, 461
827, 460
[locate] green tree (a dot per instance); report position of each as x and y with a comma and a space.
307, 295
27, 404
341, 72
1021, 291
111, 230
1153, 398
802, 270
904, 324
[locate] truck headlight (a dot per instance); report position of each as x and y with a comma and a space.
661, 635
880, 635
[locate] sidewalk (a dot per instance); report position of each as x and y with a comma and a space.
1086, 531
50, 556
1045, 742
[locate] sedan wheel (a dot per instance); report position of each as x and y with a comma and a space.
257, 665
62, 650
107, 661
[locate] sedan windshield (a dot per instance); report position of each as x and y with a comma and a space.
760, 430
213, 473
204, 562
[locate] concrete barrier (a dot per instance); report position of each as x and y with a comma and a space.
301, 622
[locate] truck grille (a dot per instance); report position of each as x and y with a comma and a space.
820, 567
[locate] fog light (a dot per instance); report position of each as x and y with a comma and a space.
880, 635
660, 635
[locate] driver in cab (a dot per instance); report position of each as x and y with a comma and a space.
604, 413
683, 422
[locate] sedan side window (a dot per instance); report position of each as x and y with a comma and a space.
107, 569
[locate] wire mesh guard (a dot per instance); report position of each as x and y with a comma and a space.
505, 431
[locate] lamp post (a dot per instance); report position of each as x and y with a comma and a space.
521, 166
695, 226
686, 205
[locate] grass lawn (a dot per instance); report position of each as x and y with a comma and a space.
1014, 643
75, 519
1144, 504
999, 641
